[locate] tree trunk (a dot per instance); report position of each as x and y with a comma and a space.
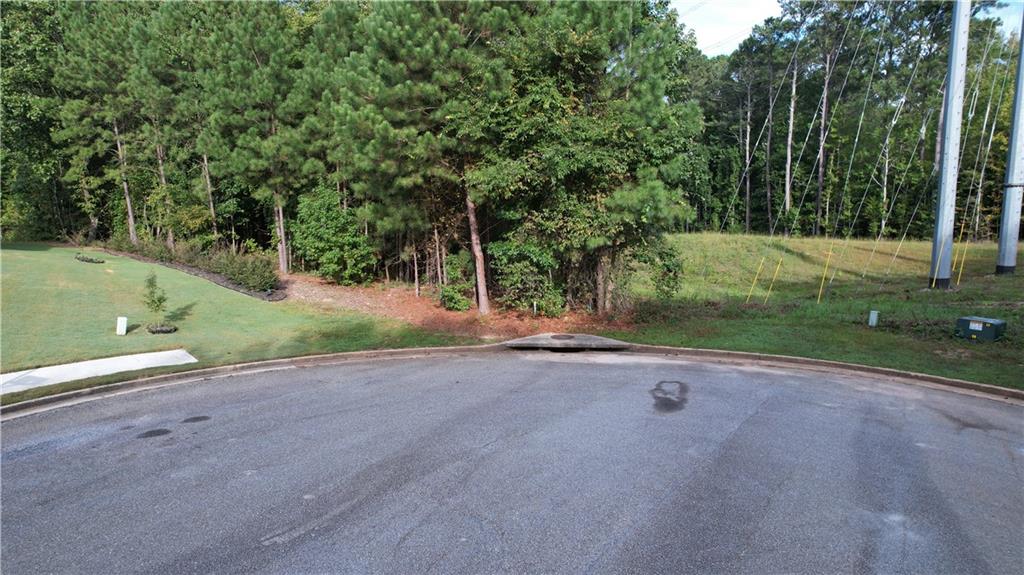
444, 268
168, 204
822, 135
787, 200
437, 257
768, 160
416, 269
282, 245
604, 285
94, 222
885, 189
483, 303
938, 128
746, 171
209, 193
342, 188
122, 160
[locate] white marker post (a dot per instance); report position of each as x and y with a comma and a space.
122, 325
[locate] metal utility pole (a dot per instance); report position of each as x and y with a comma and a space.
1013, 188
953, 105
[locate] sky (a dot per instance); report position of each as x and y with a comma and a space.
720, 25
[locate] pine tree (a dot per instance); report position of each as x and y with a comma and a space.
248, 73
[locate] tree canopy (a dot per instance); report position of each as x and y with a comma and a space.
548, 142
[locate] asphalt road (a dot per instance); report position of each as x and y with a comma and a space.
519, 462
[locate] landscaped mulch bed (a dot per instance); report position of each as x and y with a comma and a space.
272, 295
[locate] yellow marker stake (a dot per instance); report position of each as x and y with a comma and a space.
772, 283
963, 259
821, 288
757, 275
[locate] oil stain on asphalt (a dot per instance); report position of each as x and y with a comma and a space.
669, 396
195, 419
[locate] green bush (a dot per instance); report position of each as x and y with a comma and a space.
255, 271
191, 252
154, 248
328, 238
666, 268
452, 299
251, 267
523, 272
459, 270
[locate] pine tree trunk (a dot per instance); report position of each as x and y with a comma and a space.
604, 285
822, 135
885, 190
483, 303
282, 245
124, 182
209, 193
787, 199
342, 188
768, 161
94, 222
746, 171
416, 269
938, 129
168, 204
444, 268
437, 257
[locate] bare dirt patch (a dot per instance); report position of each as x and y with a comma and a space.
398, 301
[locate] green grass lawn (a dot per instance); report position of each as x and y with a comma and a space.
710, 309
56, 309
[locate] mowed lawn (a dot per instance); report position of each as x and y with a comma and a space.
916, 324
56, 309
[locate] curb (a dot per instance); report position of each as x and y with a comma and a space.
156, 381
708, 355
721, 356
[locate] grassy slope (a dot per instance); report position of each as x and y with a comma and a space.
56, 309
916, 323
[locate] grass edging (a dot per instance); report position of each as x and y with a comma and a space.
238, 368
724, 356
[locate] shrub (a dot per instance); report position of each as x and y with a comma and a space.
88, 260
452, 299
255, 271
154, 248
523, 272
666, 266
459, 270
328, 237
192, 252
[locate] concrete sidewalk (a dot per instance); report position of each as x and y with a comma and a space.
30, 378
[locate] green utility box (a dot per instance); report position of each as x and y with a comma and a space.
980, 328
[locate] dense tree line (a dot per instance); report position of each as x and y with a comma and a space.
522, 149
836, 109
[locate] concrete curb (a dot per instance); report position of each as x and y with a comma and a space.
707, 355
721, 356
157, 381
